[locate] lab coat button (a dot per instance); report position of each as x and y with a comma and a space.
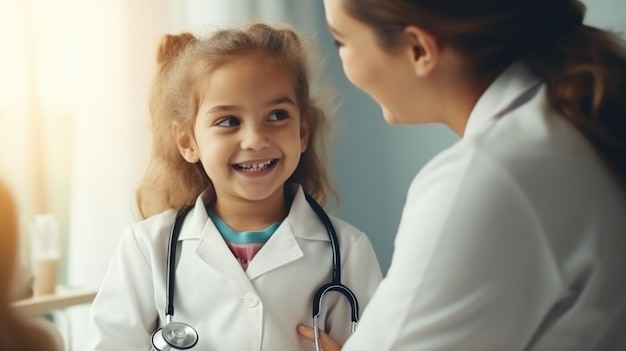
250, 299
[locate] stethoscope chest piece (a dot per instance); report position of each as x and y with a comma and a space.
180, 336
174, 336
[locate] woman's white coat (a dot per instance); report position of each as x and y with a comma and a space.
512, 239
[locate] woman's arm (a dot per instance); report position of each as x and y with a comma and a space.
471, 269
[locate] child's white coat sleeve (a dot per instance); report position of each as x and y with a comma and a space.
123, 314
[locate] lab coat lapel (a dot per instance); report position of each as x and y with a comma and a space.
284, 247
213, 251
281, 249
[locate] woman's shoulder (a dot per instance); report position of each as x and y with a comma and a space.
530, 157
474, 174
517, 145
532, 135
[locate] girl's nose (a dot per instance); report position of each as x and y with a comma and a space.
254, 138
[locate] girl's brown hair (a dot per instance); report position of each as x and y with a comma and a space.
584, 67
185, 64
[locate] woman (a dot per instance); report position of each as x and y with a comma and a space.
513, 238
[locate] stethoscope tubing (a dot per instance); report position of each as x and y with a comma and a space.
334, 285
171, 261
332, 234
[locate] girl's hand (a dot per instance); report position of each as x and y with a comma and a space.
326, 342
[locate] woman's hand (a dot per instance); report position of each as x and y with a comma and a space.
326, 342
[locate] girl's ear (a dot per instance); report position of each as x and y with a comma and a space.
185, 142
304, 135
423, 49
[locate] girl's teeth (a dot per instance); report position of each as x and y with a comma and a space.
252, 167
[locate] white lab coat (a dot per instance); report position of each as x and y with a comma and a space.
232, 309
514, 238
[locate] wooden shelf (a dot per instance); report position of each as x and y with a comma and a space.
64, 297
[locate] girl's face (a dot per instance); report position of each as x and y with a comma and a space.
248, 132
385, 76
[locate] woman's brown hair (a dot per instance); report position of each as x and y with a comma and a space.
185, 64
584, 67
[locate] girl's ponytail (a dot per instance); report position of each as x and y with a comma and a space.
171, 47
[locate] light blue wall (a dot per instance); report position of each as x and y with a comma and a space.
607, 14
374, 163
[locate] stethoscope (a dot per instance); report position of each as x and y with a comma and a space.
182, 336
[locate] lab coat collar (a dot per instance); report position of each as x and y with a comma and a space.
195, 221
301, 220
501, 96
282, 247
211, 247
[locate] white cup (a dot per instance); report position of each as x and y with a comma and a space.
45, 254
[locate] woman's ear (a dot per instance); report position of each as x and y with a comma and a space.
423, 48
185, 142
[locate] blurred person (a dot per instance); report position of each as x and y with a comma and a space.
16, 332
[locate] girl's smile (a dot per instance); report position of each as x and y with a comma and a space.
255, 168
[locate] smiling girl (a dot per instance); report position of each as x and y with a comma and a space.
237, 135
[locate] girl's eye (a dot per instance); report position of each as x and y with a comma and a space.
278, 116
337, 43
228, 122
